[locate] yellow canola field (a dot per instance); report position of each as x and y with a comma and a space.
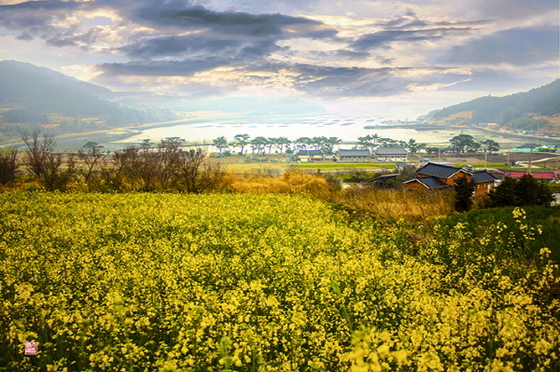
169, 282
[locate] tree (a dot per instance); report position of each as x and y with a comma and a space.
258, 143
328, 146
530, 191
172, 141
45, 164
412, 146
524, 191
92, 145
8, 166
91, 161
195, 177
464, 190
369, 141
38, 150
270, 142
303, 142
432, 150
491, 145
504, 195
281, 142
146, 143
241, 140
221, 143
464, 142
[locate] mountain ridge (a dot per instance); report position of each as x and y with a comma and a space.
32, 97
523, 110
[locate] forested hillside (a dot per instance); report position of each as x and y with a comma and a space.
31, 96
543, 101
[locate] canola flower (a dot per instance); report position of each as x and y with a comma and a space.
152, 282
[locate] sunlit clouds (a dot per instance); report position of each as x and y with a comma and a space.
314, 49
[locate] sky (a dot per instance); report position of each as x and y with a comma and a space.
399, 59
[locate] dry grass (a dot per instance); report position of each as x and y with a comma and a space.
389, 204
396, 204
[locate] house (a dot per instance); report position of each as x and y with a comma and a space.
392, 154
309, 155
435, 177
445, 173
426, 183
354, 155
485, 182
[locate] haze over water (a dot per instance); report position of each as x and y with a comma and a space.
347, 129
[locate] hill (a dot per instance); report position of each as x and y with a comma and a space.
32, 96
536, 108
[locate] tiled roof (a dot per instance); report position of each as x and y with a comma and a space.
354, 152
482, 176
439, 170
400, 151
429, 182
309, 153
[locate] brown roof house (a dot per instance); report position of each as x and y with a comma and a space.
433, 177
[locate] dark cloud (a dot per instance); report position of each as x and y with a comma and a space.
231, 23
384, 38
411, 22
516, 47
35, 13
181, 45
163, 68
71, 39
25, 36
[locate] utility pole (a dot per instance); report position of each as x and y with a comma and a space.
530, 160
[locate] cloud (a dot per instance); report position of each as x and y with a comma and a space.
229, 23
163, 68
520, 46
410, 29
35, 14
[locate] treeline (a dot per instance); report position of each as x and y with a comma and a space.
166, 167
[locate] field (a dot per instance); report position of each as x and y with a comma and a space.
228, 282
234, 165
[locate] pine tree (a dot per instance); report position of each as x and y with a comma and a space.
464, 190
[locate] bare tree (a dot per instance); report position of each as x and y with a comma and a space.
44, 164
8, 167
194, 176
91, 162
55, 176
38, 151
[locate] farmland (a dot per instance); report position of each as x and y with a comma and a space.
272, 282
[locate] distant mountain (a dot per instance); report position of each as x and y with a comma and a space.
31, 96
508, 110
